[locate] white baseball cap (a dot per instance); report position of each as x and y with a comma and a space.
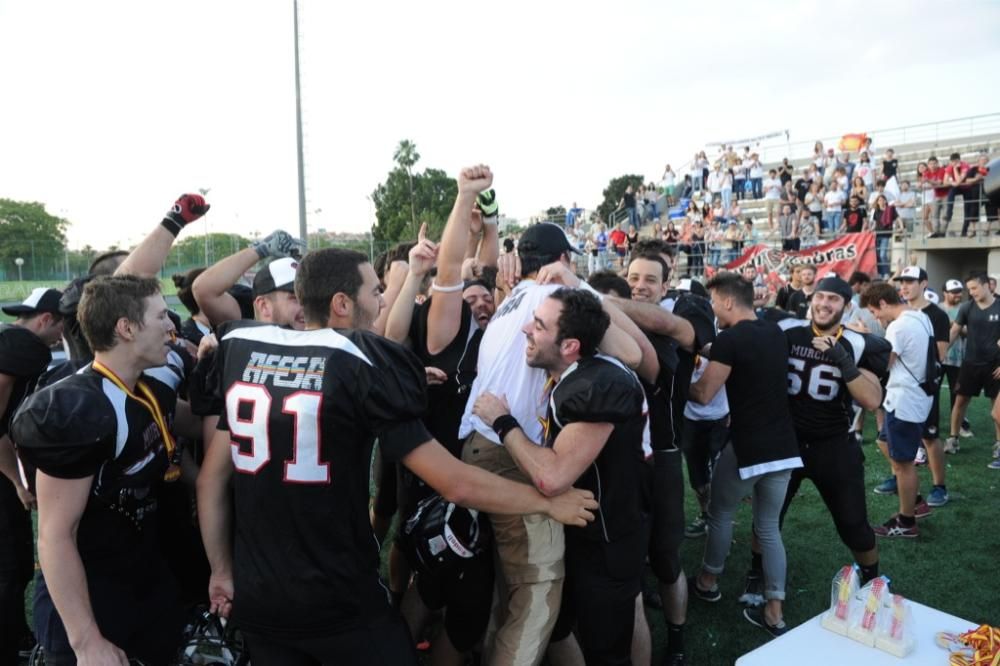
953, 285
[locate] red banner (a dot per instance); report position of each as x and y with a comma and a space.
843, 256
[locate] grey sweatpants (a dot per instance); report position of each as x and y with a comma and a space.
768, 492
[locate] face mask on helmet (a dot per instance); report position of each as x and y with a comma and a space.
209, 641
441, 536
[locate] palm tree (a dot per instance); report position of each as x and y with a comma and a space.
406, 156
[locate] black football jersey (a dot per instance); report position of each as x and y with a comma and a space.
600, 390
820, 401
663, 425
303, 409
85, 425
24, 357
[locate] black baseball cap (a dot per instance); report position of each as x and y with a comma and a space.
279, 275
545, 238
41, 299
836, 285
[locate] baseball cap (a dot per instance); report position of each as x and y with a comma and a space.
544, 238
692, 286
279, 275
41, 299
912, 273
932, 296
836, 285
953, 285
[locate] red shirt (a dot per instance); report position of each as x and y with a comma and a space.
954, 174
617, 238
937, 175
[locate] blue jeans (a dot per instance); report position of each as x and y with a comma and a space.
831, 221
714, 254
757, 185
882, 241
633, 217
727, 198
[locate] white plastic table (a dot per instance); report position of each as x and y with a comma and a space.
810, 643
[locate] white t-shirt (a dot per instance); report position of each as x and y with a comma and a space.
906, 212
909, 336
714, 181
772, 188
668, 179
502, 367
834, 200
757, 170
717, 408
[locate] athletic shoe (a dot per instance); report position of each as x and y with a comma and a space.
711, 596
951, 445
893, 529
753, 590
921, 510
887, 487
966, 433
697, 528
755, 616
937, 497
921, 458
994, 465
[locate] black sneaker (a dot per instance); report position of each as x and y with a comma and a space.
753, 590
755, 616
710, 596
674, 659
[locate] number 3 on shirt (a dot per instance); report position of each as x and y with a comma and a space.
304, 406
824, 380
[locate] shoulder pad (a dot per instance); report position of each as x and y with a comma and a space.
598, 392
73, 412
22, 353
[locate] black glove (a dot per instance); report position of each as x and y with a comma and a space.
487, 202
838, 354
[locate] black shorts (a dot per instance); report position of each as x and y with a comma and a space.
836, 467
384, 642
975, 378
602, 583
933, 422
466, 595
666, 479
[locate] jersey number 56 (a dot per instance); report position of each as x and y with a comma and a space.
823, 382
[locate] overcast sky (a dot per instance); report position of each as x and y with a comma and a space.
110, 109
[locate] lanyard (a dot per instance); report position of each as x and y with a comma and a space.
147, 400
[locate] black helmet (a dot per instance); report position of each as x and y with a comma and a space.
441, 536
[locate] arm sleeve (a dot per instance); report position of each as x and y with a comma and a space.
396, 398
941, 325
962, 318
599, 400
65, 431
698, 311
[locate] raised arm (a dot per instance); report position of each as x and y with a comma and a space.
422, 257
444, 316
148, 257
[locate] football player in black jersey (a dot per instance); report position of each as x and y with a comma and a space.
593, 439
24, 355
831, 367
291, 546
101, 443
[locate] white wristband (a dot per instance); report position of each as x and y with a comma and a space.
447, 290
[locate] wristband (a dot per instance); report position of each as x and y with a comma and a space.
450, 289
491, 220
503, 425
170, 225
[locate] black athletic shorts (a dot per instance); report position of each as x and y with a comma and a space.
384, 642
666, 478
466, 595
836, 467
974, 378
599, 593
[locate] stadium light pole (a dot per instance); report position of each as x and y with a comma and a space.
20, 262
303, 232
204, 192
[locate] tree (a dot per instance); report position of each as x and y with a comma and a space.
29, 232
190, 252
613, 194
406, 156
398, 204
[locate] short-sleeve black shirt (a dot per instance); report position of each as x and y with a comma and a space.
24, 357
983, 331
940, 323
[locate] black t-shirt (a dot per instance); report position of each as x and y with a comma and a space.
854, 219
798, 304
801, 189
784, 174
821, 404
663, 433
889, 168
982, 332
598, 390
86, 426
629, 200
24, 357
763, 437
303, 409
939, 322
189, 331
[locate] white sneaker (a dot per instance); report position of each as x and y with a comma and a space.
951, 445
965, 433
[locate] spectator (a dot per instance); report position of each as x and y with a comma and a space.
840, 180
955, 175
877, 192
819, 158
772, 196
808, 229
600, 237
890, 165
788, 227
855, 217
719, 212
670, 235
785, 171
934, 182
789, 197
714, 181
858, 189
619, 243
799, 301
696, 255
667, 183
628, 202
572, 215
883, 223
793, 285
657, 230
865, 170
735, 212
739, 179
814, 203
631, 238
756, 173
974, 194
714, 238
952, 303
733, 240
750, 235
906, 206
833, 208
844, 161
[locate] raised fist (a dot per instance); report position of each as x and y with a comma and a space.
279, 244
475, 179
187, 209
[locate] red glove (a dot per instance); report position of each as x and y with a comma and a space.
187, 209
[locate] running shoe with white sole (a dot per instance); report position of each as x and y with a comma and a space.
966, 433
887, 487
994, 465
696, 528
951, 445
755, 616
893, 529
921, 510
710, 596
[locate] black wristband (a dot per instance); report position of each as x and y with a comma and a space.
849, 372
504, 424
170, 225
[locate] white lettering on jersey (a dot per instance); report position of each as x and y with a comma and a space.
293, 372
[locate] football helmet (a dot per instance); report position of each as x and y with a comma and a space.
210, 641
440, 536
